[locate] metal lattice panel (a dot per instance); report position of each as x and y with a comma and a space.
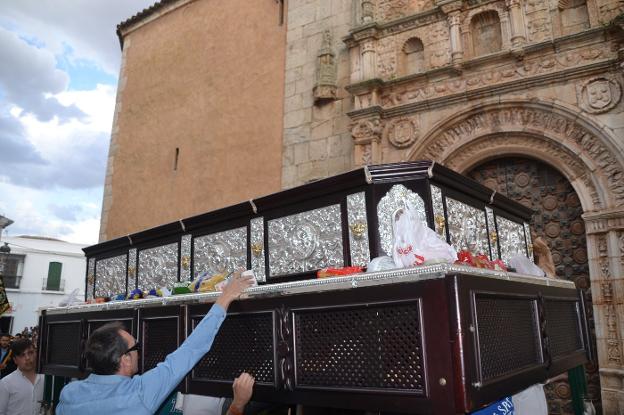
160, 337
562, 327
377, 347
63, 343
244, 343
508, 335
96, 324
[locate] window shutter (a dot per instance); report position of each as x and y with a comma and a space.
54, 276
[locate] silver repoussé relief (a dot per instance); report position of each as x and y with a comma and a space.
529, 240
221, 252
398, 197
438, 212
257, 248
90, 278
510, 238
467, 229
305, 241
492, 235
158, 267
358, 229
185, 257
110, 276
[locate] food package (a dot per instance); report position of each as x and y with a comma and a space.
338, 272
204, 283
247, 273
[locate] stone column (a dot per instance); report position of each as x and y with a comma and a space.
605, 244
518, 35
369, 59
457, 51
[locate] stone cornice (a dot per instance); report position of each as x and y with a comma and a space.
463, 96
365, 112
607, 220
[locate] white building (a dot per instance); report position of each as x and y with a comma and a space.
39, 272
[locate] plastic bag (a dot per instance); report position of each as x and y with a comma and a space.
524, 265
71, 298
248, 273
415, 242
381, 263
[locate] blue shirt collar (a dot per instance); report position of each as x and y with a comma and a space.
106, 379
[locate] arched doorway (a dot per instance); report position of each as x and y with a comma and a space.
558, 219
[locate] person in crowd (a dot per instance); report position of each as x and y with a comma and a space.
7, 366
21, 392
113, 355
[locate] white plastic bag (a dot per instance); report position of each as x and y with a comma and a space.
381, 263
531, 401
415, 243
71, 298
524, 265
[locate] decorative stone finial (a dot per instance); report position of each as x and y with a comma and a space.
325, 88
367, 11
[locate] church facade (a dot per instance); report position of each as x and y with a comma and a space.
522, 95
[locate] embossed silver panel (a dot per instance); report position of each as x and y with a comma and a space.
110, 276
185, 257
220, 252
158, 267
510, 238
467, 227
529, 241
397, 198
358, 229
257, 248
132, 269
90, 278
305, 241
438, 212
492, 235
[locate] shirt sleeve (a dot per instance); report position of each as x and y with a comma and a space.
4, 399
156, 384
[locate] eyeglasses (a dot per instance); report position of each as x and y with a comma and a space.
136, 347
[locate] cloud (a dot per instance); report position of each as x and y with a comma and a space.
88, 26
15, 147
28, 78
82, 165
65, 212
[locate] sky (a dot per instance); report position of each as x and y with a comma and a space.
59, 63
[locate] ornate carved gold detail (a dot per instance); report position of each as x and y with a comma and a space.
493, 237
358, 229
440, 224
131, 271
256, 249
186, 262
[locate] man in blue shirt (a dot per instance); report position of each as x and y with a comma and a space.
112, 388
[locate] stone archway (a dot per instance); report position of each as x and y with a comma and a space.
557, 219
592, 161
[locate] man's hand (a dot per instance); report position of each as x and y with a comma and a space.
233, 289
243, 388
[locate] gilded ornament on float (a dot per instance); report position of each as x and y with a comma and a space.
186, 262
256, 249
358, 229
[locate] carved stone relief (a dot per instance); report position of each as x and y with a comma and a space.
387, 57
366, 130
599, 94
507, 73
575, 137
402, 132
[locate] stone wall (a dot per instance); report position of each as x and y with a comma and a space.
198, 121
316, 140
